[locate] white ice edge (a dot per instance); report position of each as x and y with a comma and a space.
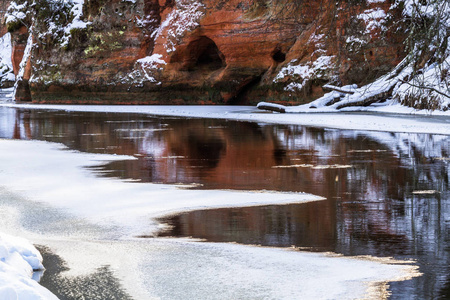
109, 201
386, 118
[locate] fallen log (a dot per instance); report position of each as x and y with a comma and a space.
378, 97
271, 107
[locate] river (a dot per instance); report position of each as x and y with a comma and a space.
387, 194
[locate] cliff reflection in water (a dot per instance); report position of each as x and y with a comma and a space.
387, 193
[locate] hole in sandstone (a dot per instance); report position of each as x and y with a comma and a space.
201, 54
208, 55
242, 93
278, 56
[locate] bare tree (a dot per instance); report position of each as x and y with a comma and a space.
429, 54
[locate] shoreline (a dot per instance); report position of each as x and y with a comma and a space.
390, 118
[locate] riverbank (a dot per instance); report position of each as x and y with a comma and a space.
391, 118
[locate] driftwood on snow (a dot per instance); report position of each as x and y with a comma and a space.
365, 101
375, 98
271, 107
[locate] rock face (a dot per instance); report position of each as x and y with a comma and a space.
203, 52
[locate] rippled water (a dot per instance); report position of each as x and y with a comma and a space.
387, 193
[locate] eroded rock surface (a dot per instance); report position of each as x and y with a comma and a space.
203, 52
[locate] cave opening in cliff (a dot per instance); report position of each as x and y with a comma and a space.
278, 56
204, 55
241, 96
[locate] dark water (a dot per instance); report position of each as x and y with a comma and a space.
100, 285
373, 182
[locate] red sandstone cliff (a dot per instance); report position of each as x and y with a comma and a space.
210, 51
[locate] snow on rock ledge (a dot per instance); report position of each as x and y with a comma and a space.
18, 259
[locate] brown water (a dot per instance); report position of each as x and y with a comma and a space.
374, 183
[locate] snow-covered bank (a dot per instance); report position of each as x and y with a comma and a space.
391, 118
50, 175
401, 91
6, 69
18, 260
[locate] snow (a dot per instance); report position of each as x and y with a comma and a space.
279, 106
349, 89
147, 65
152, 61
185, 17
6, 68
355, 40
321, 276
5, 50
292, 70
18, 260
390, 117
76, 23
430, 77
382, 84
40, 172
412, 7
316, 38
15, 12
374, 19
294, 86
433, 76
426, 86
77, 11
303, 72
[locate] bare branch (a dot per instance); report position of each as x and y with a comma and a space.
329, 87
425, 87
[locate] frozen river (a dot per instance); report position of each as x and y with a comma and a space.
121, 207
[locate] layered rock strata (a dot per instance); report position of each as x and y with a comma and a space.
201, 52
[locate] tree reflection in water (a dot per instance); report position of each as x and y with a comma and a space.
372, 182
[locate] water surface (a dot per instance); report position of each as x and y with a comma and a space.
387, 193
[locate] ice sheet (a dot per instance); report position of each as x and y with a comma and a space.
42, 172
48, 173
